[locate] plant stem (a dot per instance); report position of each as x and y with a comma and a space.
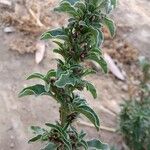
63, 114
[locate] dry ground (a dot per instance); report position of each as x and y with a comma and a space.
16, 115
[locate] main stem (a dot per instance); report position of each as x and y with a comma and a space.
64, 112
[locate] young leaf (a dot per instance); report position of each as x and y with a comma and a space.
63, 134
96, 50
90, 114
105, 6
50, 146
84, 144
72, 1
92, 89
97, 144
65, 6
36, 90
100, 37
110, 25
37, 130
36, 75
50, 73
56, 127
34, 139
60, 52
47, 87
100, 61
82, 134
60, 129
114, 3
61, 45
81, 8
80, 106
95, 2
96, 35
39, 133
56, 33
88, 71
65, 79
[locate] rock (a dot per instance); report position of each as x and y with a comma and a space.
113, 67
124, 88
11, 137
6, 3
123, 97
9, 29
40, 51
12, 145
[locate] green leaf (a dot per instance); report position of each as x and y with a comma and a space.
82, 134
100, 61
105, 6
50, 73
61, 45
65, 79
63, 134
66, 7
96, 50
37, 130
50, 146
56, 127
110, 25
47, 87
90, 114
93, 34
56, 33
97, 37
95, 2
80, 106
36, 138
84, 144
59, 51
100, 37
39, 133
72, 1
114, 3
92, 89
36, 75
88, 71
36, 90
97, 144
82, 23
81, 8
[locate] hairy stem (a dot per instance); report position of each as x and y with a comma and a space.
63, 114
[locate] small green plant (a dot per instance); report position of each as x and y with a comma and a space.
80, 40
135, 114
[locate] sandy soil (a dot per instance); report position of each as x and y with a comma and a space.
16, 115
133, 17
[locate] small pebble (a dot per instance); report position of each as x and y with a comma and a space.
124, 88
123, 96
9, 29
7, 3
11, 137
12, 145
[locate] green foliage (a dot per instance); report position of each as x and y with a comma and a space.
92, 89
97, 145
110, 24
36, 90
77, 42
135, 114
79, 105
